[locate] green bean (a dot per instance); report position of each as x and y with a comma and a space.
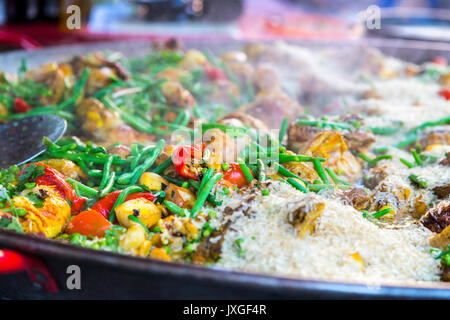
77, 90
320, 171
137, 174
131, 119
324, 124
286, 173
83, 188
163, 166
407, 163
106, 172
386, 131
297, 185
261, 172
211, 198
246, 171
335, 178
381, 213
232, 131
318, 187
136, 219
174, 208
121, 198
445, 120
126, 178
419, 181
416, 157
380, 150
108, 186
203, 194
284, 127
404, 143
173, 180
209, 173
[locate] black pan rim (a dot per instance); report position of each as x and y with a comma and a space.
35, 246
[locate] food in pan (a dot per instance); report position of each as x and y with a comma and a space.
273, 159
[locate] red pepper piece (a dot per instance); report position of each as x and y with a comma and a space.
235, 176
186, 154
445, 93
89, 223
54, 178
214, 73
105, 204
20, 106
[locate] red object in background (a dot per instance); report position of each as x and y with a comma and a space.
11, 262
440, 60
214, 73
445, 93
17, 39
21, 106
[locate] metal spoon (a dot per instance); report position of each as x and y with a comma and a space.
21, 140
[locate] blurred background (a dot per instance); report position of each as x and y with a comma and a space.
31, 24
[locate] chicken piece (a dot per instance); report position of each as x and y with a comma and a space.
299, 134
396, 197
446, 160
442, 239
442, 192
122, 151
102, 71
375, 176
239, 119
331, 145
192, 60
439, 135
182, 197
358, 140
153, 181
51, 77
266, 77
105, 126
445, 276
95, 119
356, 197
225, 92
146, 211
444, 80
99, 61
208, 251
242, 71
179, 227
221, 146
135, 240
303, 170
271, 107
303, 219
437, 218
172, 74
48, 217
176, 95
68, 168
160, 254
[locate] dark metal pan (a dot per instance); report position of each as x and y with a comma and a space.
107, 275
